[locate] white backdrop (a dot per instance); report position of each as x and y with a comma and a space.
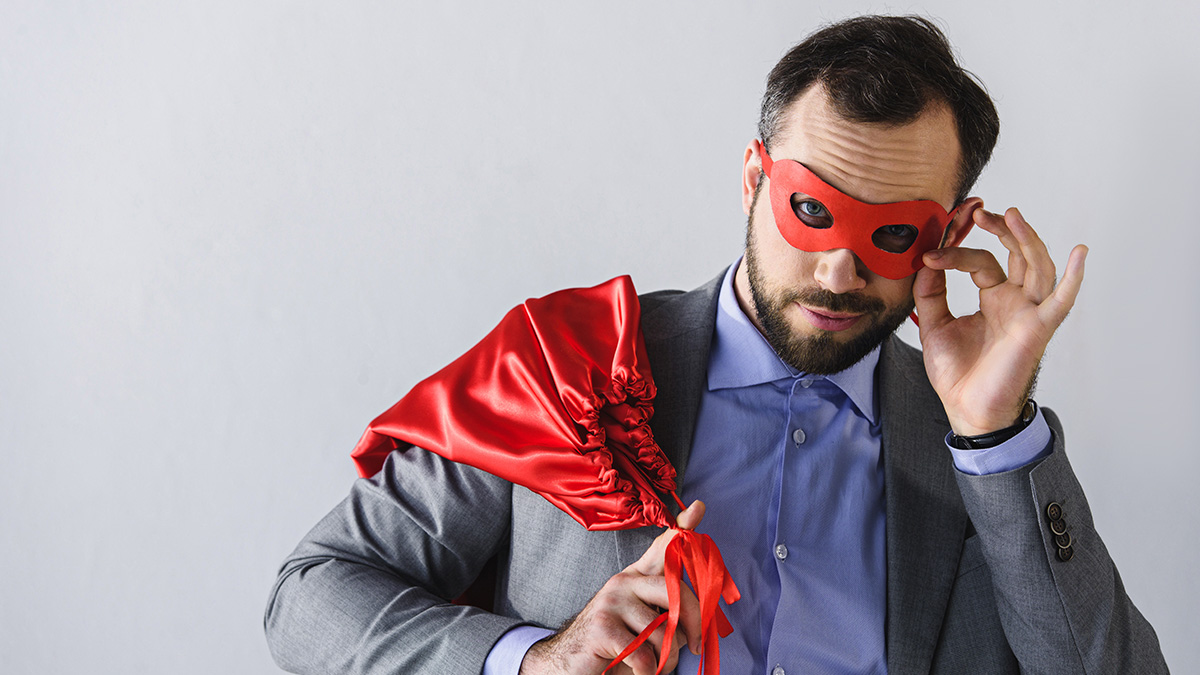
232, 232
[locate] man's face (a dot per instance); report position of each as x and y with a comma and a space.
823, 312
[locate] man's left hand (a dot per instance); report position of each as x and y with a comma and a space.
983, 365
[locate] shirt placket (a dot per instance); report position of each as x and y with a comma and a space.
794, 436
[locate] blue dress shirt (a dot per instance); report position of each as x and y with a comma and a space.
791, 470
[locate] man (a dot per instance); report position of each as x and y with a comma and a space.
881, 511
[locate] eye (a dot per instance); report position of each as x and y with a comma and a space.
811, 213
813, 209
894, 238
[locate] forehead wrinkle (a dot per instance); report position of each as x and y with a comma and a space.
869, 136
880, 162
875, 174
926, 132
885, 156
847, 161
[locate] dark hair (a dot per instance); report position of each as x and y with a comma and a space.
886, 69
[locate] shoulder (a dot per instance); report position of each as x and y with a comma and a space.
904, 360
668, 313
903, 389
902, 365
654, 299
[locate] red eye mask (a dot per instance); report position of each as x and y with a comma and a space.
889, 238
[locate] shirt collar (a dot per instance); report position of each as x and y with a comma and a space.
741, 356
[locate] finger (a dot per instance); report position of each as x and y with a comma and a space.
996, 225
985, 271
929, 294
1056, 307
647, 666
646, 581
643, 660
637, 598
689, 629
656, 642
651, 561
604, 630
689, 518
620, 613
1039, 276
637, 617
672, 660
649, 595
655, 645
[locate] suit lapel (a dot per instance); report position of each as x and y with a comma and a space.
677, 328
925, 516
678, 331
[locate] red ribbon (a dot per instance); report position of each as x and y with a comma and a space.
697, 554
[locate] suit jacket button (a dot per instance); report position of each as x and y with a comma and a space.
1063, 540
1065, 554
1058, 527
1054, 511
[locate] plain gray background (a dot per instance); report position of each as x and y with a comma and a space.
234, 232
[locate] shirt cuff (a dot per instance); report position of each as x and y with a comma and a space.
508, 652
1031, 445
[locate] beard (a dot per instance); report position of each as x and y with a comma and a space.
819, 354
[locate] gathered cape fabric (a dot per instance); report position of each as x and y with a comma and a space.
558, 398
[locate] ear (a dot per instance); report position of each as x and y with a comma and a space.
751, 174
960, 226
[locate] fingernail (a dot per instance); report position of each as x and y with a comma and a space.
934, 254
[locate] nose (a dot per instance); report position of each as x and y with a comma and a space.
838, 271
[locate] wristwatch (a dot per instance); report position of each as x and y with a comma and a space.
991, 440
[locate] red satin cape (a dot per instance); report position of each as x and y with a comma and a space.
558, 398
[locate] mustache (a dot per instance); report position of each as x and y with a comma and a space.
820, 298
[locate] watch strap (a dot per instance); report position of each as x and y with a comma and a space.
994, 438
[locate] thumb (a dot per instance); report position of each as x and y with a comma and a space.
929, 297
690, 517
651, 561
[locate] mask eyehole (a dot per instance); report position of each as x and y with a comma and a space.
811, 212
894, 238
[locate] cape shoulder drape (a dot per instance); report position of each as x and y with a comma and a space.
558, 398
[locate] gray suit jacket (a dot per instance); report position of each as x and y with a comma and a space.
975, 583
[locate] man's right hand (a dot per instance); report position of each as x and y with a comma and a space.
623, 607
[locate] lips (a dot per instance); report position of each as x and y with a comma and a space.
828, 320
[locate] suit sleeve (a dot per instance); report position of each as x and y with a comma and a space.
366, 590
1061, 602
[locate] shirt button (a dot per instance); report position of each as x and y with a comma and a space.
806, 383
798, 436
781, 552
778, 671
